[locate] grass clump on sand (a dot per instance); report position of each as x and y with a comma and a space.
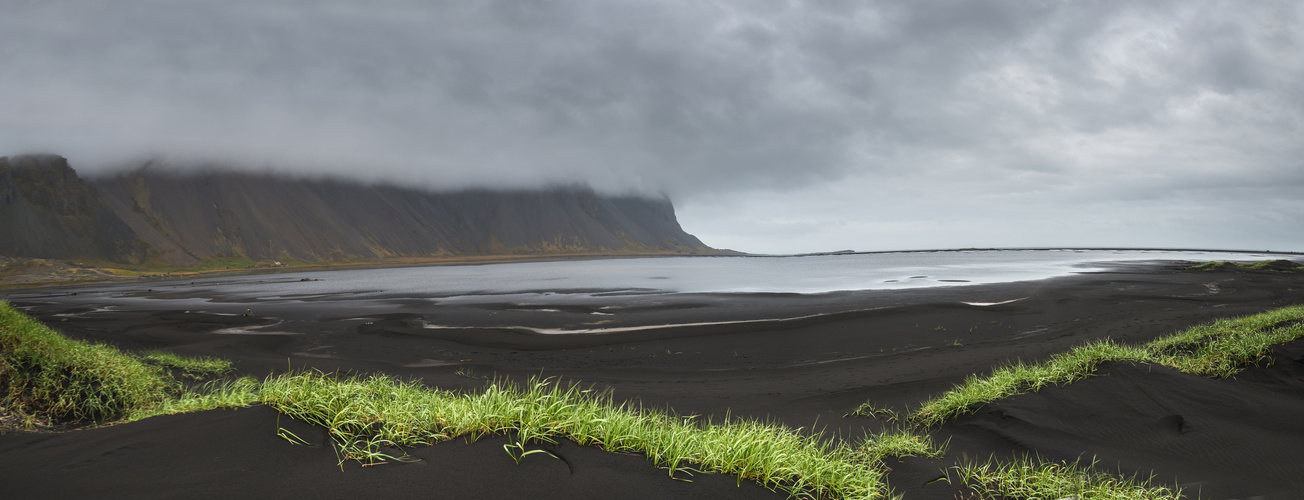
1218, 349
1021, 377
900, 443
868, 409
365, 414
46, 375
1276, 266
212, 395
195, 366
1039, 478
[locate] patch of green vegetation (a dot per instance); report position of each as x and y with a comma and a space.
46, 375
126, 273
1021, 377
155, 268
1039, 478
469, 373
1219, 349
212, 395
1222, 348
365, 414
47, 378
868, 409
1276, 266
195, 365
900, 443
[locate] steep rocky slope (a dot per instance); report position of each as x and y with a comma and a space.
47, 211
184, 218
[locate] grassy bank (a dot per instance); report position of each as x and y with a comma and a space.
370, 419
363, 415
1276, 266
1219, 349
1036, 477
45, 375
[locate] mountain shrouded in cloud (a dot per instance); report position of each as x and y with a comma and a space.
155, 215
773, 125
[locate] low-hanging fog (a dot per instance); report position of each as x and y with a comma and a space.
774, 126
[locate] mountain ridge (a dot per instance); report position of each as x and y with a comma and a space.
182, 218
47, 211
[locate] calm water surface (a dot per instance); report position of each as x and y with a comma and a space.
805, 274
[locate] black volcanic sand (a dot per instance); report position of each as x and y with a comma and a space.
811, 360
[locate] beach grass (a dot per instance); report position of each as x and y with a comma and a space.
236, 393
869, 409
191, 365
45, 374
1036, 477
1278, 266
364, 416
1219, 349
900, 443
1020, 377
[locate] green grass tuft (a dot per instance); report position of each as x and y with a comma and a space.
1022, 377
868, 409
899, 443
364, 415
1276, 266
44, 373
196, 365
212, 395
1222, 348
1039, 478
1219, 349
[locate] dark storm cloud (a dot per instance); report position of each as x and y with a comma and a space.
1039, 102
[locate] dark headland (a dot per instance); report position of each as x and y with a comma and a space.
157, 219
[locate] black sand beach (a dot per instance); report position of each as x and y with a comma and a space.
804, 360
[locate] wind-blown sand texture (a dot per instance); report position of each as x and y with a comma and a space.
1234, 438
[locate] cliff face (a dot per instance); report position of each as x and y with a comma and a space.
185, 218
46, 211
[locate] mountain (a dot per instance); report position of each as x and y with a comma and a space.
158, 215
47, 211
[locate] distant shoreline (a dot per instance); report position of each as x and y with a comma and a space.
7, 281
105, 275
1020, 249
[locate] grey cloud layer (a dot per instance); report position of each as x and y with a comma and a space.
1117, 99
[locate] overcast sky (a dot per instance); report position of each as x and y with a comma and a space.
775, 127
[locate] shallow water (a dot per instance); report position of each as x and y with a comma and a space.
803, 274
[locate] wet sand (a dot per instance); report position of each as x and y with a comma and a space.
805, 360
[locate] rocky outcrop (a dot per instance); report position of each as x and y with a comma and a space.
47, 211
184, 218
